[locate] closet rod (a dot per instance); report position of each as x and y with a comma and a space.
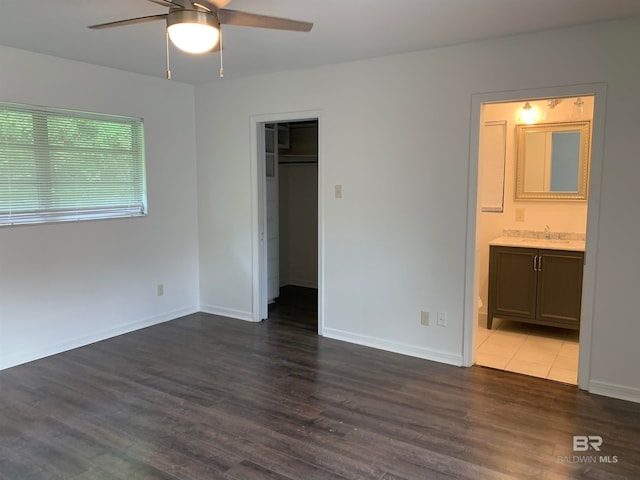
298, 163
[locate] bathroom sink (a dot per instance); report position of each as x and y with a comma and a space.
544, 243
543, 240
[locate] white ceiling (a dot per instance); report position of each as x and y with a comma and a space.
343, 30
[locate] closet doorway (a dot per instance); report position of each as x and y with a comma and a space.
289, 282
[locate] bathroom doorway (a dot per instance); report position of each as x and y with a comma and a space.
542, 221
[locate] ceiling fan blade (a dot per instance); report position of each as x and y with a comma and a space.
130, 21
213, 5
243, 19
164, 3
173, 3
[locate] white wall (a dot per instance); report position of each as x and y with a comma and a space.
65, 285
396, 135
298, 224
566, 216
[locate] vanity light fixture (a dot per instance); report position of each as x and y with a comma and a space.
552, 103
528, 114
578, 108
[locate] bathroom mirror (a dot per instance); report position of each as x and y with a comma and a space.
553, 161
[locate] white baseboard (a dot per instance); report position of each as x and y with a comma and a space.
227, 312
396, 347
482, 319
41, 352
621, 392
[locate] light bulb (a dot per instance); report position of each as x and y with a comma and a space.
528, 114
193, 37
578, 109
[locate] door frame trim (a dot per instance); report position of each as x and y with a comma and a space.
470, 320
259, 306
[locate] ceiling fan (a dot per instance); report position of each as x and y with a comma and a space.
194, 25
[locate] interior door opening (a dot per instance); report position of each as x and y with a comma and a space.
530, 237
291, 222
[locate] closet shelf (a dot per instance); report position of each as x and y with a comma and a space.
297, 158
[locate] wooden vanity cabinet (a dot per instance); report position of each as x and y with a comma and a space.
535, 286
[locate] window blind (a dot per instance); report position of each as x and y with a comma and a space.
64, 165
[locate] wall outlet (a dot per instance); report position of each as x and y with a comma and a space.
519, 214
160, 289
442, 319
338, 191
424, 318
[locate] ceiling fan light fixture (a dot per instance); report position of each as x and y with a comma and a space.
193, 31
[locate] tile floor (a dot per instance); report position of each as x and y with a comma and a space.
535, 350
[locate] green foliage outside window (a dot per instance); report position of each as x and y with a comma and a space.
58, 165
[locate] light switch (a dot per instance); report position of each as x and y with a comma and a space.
338, 189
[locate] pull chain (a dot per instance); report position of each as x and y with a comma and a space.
221, 65
168, 69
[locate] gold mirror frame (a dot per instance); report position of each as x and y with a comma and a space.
584, 128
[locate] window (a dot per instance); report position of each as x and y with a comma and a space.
62, 165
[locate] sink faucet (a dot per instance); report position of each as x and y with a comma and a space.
547, 232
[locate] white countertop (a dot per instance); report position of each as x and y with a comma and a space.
525, 242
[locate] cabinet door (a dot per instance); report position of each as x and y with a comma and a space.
512, 282
560, 287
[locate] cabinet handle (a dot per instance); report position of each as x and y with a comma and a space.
537, 263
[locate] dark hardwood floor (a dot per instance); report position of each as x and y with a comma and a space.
205, 397
296, 307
